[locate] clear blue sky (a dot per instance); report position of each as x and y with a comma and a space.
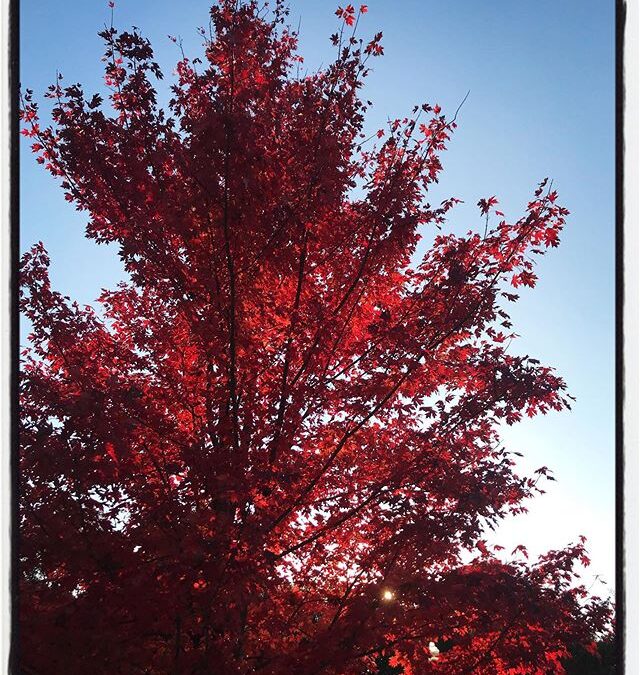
541, 77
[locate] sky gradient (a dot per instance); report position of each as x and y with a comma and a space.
541, 103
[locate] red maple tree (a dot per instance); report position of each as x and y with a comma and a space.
275, 449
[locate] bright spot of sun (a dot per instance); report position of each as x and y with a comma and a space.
387, 595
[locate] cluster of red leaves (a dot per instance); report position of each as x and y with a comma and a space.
278, 417
348, 14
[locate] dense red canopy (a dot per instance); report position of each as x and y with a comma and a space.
270, 449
